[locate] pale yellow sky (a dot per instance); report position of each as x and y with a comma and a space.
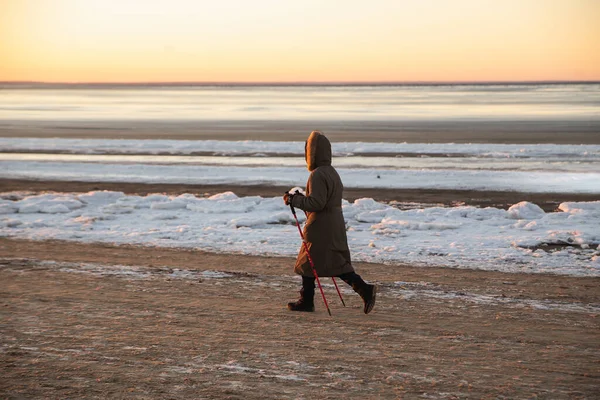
299, 41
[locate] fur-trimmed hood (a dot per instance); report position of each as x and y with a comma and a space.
317, 151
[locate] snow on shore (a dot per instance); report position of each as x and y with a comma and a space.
521, 239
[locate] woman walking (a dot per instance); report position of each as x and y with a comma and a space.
325, 229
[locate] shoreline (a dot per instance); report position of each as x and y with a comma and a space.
411, 198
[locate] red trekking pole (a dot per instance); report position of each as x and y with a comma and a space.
312, 265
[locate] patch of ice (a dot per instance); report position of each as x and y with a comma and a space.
215, 274
583, 209
291, 377
10, 222
168, 205
224, 196
179, 370
416, 291
117, 208
100, 197
48, 204
525, 210
7, 207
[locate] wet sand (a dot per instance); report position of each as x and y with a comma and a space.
464, 131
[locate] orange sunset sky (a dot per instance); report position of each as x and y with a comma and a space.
299, 41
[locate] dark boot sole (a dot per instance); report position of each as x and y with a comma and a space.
304, 309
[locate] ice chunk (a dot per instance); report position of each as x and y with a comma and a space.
100, 197
10, 222
479, 214
368, 204
48, 204
224, 196
371, 216
525, 210
162, 217
589, 208
116, 208
225, 204
168, 205
531, 226
263, 220
8, 208
55, 209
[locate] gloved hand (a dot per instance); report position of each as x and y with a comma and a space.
287, 197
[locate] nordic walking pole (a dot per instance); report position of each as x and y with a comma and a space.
338, 290
312, 265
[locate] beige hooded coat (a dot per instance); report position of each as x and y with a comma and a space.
325, 229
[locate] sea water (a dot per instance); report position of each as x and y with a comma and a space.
498, 102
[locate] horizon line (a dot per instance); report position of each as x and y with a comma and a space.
302, 83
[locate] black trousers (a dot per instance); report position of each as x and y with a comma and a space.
351, 278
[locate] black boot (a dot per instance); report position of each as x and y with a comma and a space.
366, 291
368, 294
307, 296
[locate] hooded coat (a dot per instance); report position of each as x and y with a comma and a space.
325, 229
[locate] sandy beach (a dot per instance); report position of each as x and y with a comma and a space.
101, 321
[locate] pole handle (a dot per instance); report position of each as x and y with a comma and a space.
290, 201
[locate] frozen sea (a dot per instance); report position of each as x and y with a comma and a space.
522, 238
538, 168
